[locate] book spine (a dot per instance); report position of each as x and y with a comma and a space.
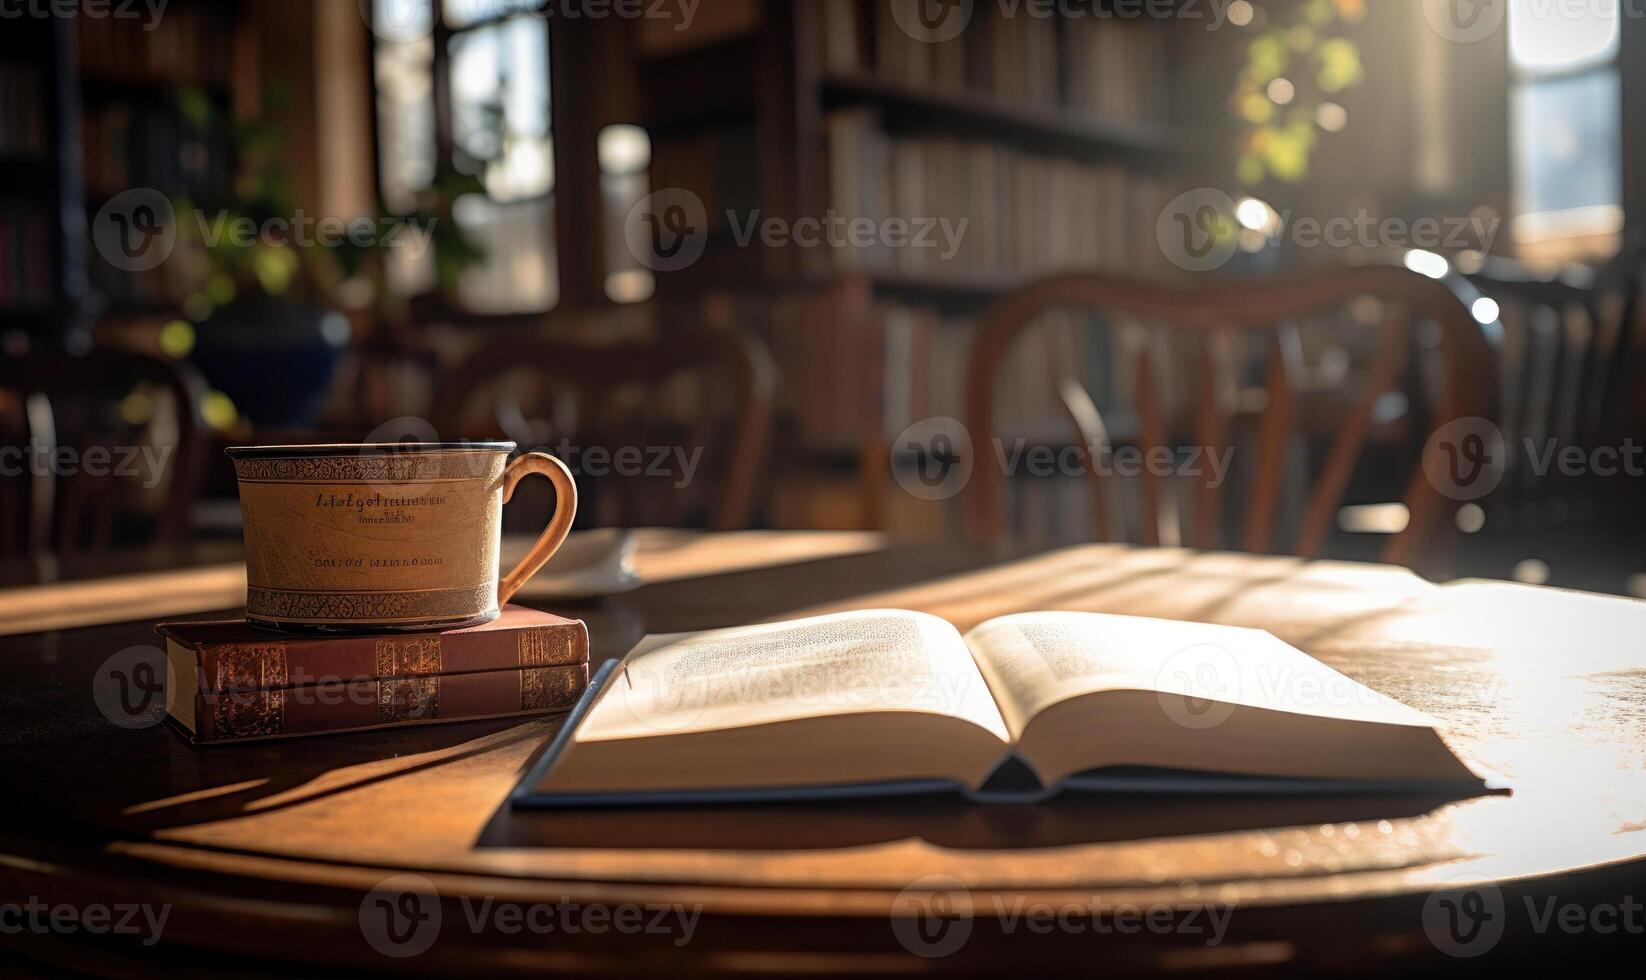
318, 709
283, 663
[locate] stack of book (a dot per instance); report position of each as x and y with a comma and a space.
231, 682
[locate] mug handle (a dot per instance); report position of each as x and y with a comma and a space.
565, 510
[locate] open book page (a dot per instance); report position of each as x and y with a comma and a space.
849, 698
1084, 690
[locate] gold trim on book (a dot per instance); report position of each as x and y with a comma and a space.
551, 688
408, 699
544, 647
249, 714
409, 656
251, 667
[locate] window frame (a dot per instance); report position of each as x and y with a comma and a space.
578, 234
1519, 79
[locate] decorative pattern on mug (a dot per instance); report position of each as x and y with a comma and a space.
367, 607
374, 468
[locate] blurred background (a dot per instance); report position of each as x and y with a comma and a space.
919, 267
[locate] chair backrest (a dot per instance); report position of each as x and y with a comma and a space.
593, 397
92, 443
1192, 351
1562, 346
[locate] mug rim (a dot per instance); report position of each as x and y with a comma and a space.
357, 448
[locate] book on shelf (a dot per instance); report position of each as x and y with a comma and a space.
23, 117
190, 45
979, 211
25, 256
1019, 709
1105, 67
230, 681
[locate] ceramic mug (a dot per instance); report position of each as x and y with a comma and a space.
386, 537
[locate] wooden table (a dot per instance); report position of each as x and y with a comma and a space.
268, 854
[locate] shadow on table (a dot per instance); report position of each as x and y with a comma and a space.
945, 821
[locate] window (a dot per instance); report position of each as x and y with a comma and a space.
490, 60
1565, 123
625, 153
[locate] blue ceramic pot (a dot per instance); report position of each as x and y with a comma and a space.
274, 358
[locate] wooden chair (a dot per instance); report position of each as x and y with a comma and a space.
98, 408
1561, 351
587, 396
1572, 359
1199, 326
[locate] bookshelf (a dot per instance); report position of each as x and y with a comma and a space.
138, 129
42, 244
1059, 138
91, 107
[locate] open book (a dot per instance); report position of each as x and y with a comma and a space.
889, 701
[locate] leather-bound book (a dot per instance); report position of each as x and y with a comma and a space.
230, 681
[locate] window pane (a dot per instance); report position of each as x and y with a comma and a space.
519, 273
500, 107
1566, 143
462, 13
405, 111
1553, 35
402, 20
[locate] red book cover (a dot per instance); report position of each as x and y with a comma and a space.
372, 704
234, 656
